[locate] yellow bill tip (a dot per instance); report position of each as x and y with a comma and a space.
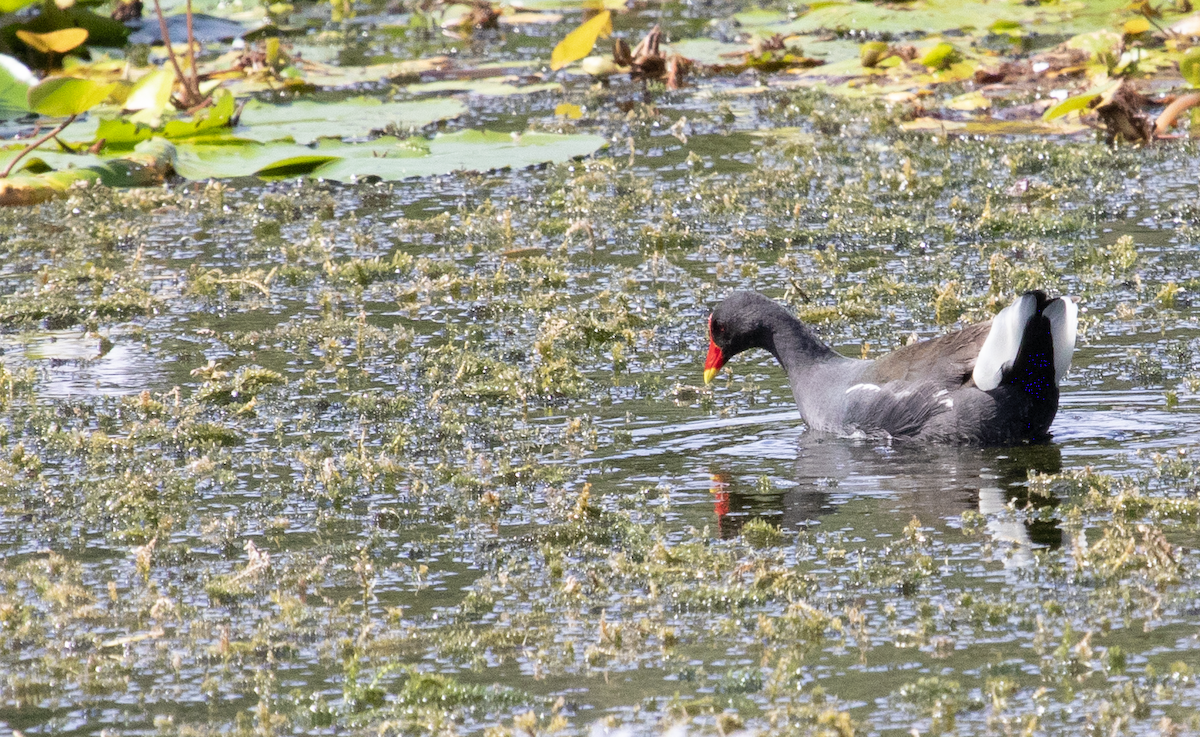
709, 374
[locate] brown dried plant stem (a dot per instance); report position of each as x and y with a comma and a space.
1172, 112
59, 129
195, 87
191, 85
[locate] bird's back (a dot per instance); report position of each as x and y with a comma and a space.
947, 360
930, 391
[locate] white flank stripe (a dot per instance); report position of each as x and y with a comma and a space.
863, 388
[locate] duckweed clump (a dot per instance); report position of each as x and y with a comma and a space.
434, 457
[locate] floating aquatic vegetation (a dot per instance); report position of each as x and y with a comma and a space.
367, 505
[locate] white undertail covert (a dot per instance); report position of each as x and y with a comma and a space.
1004, 339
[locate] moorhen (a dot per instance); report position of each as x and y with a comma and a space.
989, 384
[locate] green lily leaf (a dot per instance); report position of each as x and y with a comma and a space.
387, 158
294, 166
1189, 66
493, 87
47, 159
873, 52
1078, 102
213, 120
1006, 28
12, 6
1069, 105
232, 157
941, 56
305, 122
390, 159
938, 16
1103, 46
152, 92
15, 79
60, 97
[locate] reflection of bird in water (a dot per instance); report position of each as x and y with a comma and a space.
929, 482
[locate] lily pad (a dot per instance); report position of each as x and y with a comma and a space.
101, 31
150, 97
759, 17
938, 16
306, 121
54, 42
47, 158
15, 79
1079, 102
489, 87
239, 158
205, 28
387, 158
1189, 66
12, 6
122, 132
334, 76
969, 101
527, 19
993, 127
1103, 46
317, 74
144, 166
64, 96
707, 50
462, 151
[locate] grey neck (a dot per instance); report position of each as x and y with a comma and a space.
795, 345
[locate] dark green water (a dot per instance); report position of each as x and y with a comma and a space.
414, 469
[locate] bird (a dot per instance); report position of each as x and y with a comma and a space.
992, 383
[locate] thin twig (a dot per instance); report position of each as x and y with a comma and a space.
166, 38
263, 286
194, 82
64, 146
237, 114
1165, 31
8, 169
206, 102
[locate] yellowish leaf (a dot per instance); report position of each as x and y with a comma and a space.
152, 92
969, 101
873, 52
524, 19
569, 111
57, 42
1136, 26
599, 66
579, 42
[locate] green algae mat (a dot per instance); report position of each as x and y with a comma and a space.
281, 90
401, 430
310, 457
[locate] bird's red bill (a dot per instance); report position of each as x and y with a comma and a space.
714, 362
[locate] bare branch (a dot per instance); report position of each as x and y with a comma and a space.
12, 164
166, 39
